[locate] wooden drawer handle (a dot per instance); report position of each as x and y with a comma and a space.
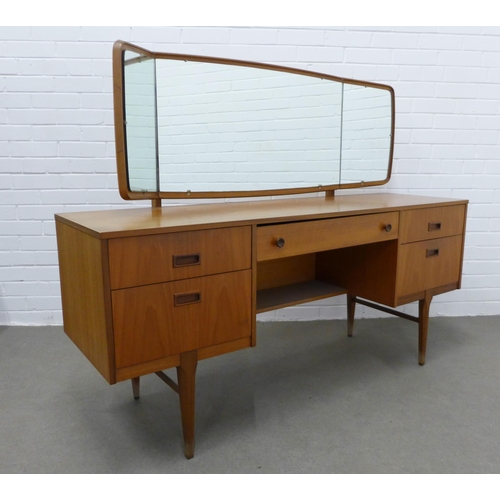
433, 252
280, 242
434, 226
184, 299
187, 260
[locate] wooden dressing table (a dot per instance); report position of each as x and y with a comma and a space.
147, 289
144, 290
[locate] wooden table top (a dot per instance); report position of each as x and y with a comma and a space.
105, 224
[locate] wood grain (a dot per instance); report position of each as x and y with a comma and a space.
281, 272
173, 361
367, 271
142, 221
85, 296
316, 236
430, 223
418, 272
148, 326
143, 260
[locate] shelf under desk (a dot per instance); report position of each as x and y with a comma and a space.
297, 293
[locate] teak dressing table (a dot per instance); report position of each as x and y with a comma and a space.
147, 289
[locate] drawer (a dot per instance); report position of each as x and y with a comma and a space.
428, 264
430, 223
285, 240
144, 260
156, 321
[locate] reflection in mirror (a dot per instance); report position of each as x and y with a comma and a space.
235, 128
140, 113
366, 134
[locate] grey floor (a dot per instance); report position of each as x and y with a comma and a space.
307, 399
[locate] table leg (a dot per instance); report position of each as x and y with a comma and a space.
136, 387
351, 308
423, 326
186, 376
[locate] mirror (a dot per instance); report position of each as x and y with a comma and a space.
366, 134
140, 116
228, 128
189, 126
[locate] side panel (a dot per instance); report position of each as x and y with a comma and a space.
85, 296
367, 271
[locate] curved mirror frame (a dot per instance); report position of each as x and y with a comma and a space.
341, 130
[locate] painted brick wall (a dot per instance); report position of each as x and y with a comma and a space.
57, 139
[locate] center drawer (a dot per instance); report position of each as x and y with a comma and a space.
298, 238
144, 260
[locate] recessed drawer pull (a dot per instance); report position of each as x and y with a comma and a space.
433, 252
434, 226
187, 260
183, 299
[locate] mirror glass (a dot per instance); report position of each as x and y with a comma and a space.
230, 128
140, 121
199, 126
366, 134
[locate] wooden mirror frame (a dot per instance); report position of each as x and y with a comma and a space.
120, 133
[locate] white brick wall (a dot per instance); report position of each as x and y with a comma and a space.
57, 149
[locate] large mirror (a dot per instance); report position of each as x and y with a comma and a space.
189, 126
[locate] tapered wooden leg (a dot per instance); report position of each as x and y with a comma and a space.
351, 308
423, 326
136, 387
186, 376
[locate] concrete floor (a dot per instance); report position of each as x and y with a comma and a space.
307, 399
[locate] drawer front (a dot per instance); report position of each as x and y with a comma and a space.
429, 264
430, 223
285, 240
156, 321
143, 260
